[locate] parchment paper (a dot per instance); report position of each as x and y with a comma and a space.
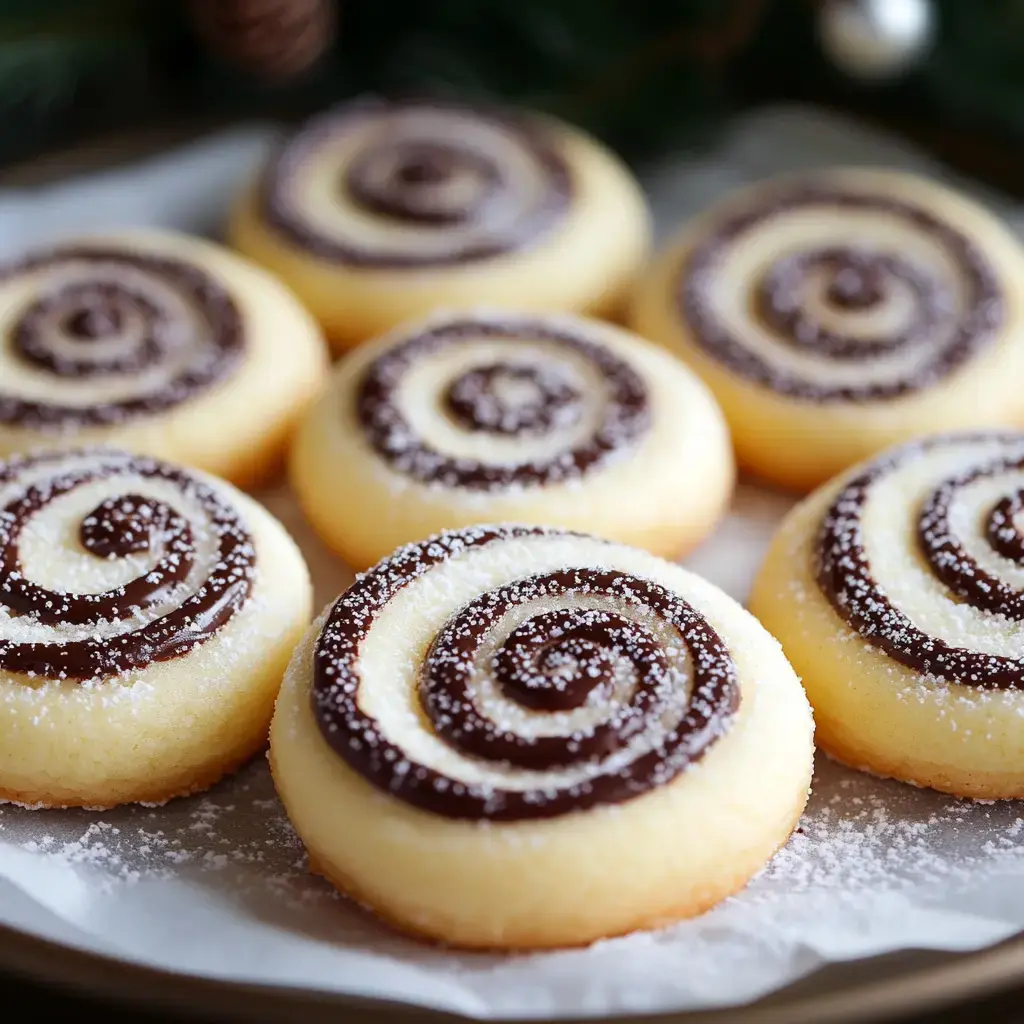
216, 885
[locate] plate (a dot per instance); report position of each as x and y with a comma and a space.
884, 989
168, 190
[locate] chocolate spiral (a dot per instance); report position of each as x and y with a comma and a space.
479, 399
535, 391
657, 682
112, 334
416, 183
191, 567
811, 315
966, 564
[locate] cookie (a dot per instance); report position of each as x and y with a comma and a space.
148, 614
839, 313
491, 416
157, 343
381, 211
511, 738
898, 594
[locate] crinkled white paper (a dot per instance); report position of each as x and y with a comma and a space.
216, 885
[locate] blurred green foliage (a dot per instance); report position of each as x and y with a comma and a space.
643, 74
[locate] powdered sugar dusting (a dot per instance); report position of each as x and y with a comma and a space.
581, 430
677, 696
239, 831
869, 859
157, 580
848, 579
862, 834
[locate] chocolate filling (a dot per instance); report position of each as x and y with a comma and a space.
859, 278
122, 525
443, 188
625, 413
477, 402
553, 661
845, 577
65, 331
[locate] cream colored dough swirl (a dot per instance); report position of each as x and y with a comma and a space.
845, 310
99, 335
144, 341
406, 185
880, 297
133, 592
483, 416
557, 692
511, 687
378, 211
511, 416
910, 635
157, 565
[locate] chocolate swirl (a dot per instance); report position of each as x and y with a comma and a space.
969, 537
187, 570
112, 334
536, 391
484, 399
651, 685
846, 321
416, 184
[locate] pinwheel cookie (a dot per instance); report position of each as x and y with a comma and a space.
380, 211
148, 613
898, 593
836, 314
484, 417
512, 737
155, 342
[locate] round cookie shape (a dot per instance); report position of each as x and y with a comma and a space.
379, 211
157, 343
476, 715
148, 614
838, 313
489, 416
896, 592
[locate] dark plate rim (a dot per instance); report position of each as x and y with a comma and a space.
97, 976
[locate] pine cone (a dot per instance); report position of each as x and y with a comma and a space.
272, 39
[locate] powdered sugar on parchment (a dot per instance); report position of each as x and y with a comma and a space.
870, 859
240, 828
858, 835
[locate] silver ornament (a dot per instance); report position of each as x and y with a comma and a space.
875, 39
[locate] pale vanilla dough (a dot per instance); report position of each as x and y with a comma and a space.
664, 489
237, 427
585, 261
668, 853
800, 442
873, 712
172, 727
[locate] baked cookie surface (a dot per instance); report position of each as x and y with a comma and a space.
509, 737
838, 313
896, 592
158, 343
147, 613
493, 416
380, 211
